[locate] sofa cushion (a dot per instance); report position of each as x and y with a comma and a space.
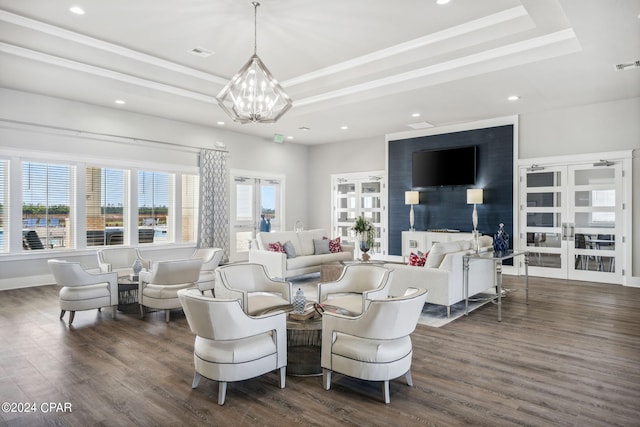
439, 250
265, 238
334, 244
276, 247
321, 246
305, 239
418, 260
289, 249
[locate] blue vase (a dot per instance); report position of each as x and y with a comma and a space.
501, 239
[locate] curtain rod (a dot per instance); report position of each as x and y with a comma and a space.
220, 146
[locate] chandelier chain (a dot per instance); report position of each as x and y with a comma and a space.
255, 27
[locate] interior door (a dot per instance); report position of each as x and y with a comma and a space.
255, 205
572, 221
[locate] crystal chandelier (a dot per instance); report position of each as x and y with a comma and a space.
253, 95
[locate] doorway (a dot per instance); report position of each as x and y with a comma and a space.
256, 205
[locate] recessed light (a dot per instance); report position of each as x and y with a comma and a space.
415, 115
120, 101
290, 137
513, 98
220, 123
344, 127
441, 2
77, 10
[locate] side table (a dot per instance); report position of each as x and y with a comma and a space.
497, 258
128, 294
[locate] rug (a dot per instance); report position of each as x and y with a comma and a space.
432, 315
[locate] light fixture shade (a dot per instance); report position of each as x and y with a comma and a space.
411, 197
474, 196
253, 95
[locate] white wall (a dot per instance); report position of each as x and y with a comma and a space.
43, 113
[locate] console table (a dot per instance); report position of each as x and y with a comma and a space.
413, 241
497, 258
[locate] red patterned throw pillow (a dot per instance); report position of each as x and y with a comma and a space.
418, 260
277, 247
334, 244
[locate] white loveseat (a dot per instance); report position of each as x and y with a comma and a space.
442, 274
306, 259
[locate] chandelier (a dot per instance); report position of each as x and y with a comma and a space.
253, 95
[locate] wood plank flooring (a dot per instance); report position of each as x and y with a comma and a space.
569, 358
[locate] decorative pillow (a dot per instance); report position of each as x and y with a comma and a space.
289, 249
418, 260
334, 244
277, 247
321, 246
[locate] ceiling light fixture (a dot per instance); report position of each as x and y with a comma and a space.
415, 115
513, 98
77, 10
120, 101
441, 2
344, 127
253, 94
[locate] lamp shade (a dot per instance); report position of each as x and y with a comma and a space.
411, 197
474, 196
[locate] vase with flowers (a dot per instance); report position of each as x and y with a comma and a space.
365, 233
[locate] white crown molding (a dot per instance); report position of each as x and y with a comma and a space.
107, 47
430, 39
103, 72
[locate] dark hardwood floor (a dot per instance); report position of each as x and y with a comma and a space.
569, 358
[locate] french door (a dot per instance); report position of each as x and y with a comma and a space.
572, 220
256, 203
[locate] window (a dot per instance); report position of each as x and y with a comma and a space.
603, 198
106, 207
47, 209
155, 191
190, 207
4, 206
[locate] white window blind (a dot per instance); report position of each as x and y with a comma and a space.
4, 206
155, 191
47, 207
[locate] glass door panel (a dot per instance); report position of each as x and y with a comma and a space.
541, 214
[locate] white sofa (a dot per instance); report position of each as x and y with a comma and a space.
305, 261
442, 274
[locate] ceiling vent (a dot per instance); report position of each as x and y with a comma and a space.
628, 65
202, 52
420, 125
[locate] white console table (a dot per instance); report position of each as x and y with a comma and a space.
413, 241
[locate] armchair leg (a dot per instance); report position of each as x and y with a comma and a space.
141, 311
196, 380
100, 309
222, 392
114, 308
62, 312
72, 314
407, 376
283, 374
385, 389
326, 378
448, 311
167, 314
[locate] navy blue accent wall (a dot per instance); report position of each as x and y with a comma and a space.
446, 207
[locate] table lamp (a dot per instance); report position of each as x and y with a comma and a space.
474, 196
411, 198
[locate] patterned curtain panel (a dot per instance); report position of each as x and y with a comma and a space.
213, 231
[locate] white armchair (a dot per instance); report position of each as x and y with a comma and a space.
375, 346
230, 345
251, 284
120, 260
356, 287
82, 290
159, 287
211, 258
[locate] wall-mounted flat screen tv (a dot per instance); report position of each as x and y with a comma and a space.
434, 168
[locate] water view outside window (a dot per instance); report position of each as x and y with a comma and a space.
47, 209
154, 196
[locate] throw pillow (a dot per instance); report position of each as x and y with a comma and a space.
321, 246
277, 247
334, 244
289, 249
418, 260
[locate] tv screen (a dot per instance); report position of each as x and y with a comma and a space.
434, 168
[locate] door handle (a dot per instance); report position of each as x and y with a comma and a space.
564, 231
